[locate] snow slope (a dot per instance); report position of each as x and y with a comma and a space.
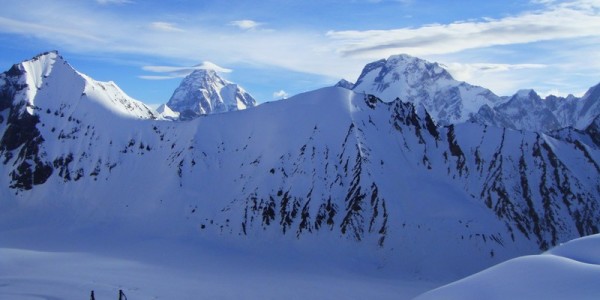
569, 271
167, 269
332, 173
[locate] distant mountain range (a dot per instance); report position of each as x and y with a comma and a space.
394, 164
451, 102
526, 110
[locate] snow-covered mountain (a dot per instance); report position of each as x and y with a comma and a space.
48, 86
343, 83
449, 101
526, 110
50, 80
205, 92
424, 84
327, 168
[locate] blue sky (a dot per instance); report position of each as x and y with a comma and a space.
275, 48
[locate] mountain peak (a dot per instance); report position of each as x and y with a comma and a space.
42, 65
402, 70
399, 59
51, 53
204, 92
204, 77
526, 93
49, 56
423, 83
343, 83
205, 72
48, 83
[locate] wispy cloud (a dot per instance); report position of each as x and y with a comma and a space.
466, 72
497, 77
245, 24
158, 77
170, 72
105, 2
83, 28
40, 31
560, 21
165, 26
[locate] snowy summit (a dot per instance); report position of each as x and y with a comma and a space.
424, 84
205, 92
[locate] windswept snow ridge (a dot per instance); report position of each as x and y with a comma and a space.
47, 80
569, 271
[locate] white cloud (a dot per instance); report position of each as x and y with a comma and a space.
165, 26
469, 72
245, 24
562, 21
206, 65
500, 78
545, 2
84, 29
281, 94
158, 77
41, 31
179, 72
105, 2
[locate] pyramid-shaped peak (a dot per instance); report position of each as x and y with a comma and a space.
204, 72
49, 83
411, 64
51, 53
34, 70
204, 92
205, 76
206, 80
343, 83
526, 93
41, 65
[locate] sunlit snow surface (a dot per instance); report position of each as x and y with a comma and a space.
171, 270
161, 269
569, 271
163, 210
